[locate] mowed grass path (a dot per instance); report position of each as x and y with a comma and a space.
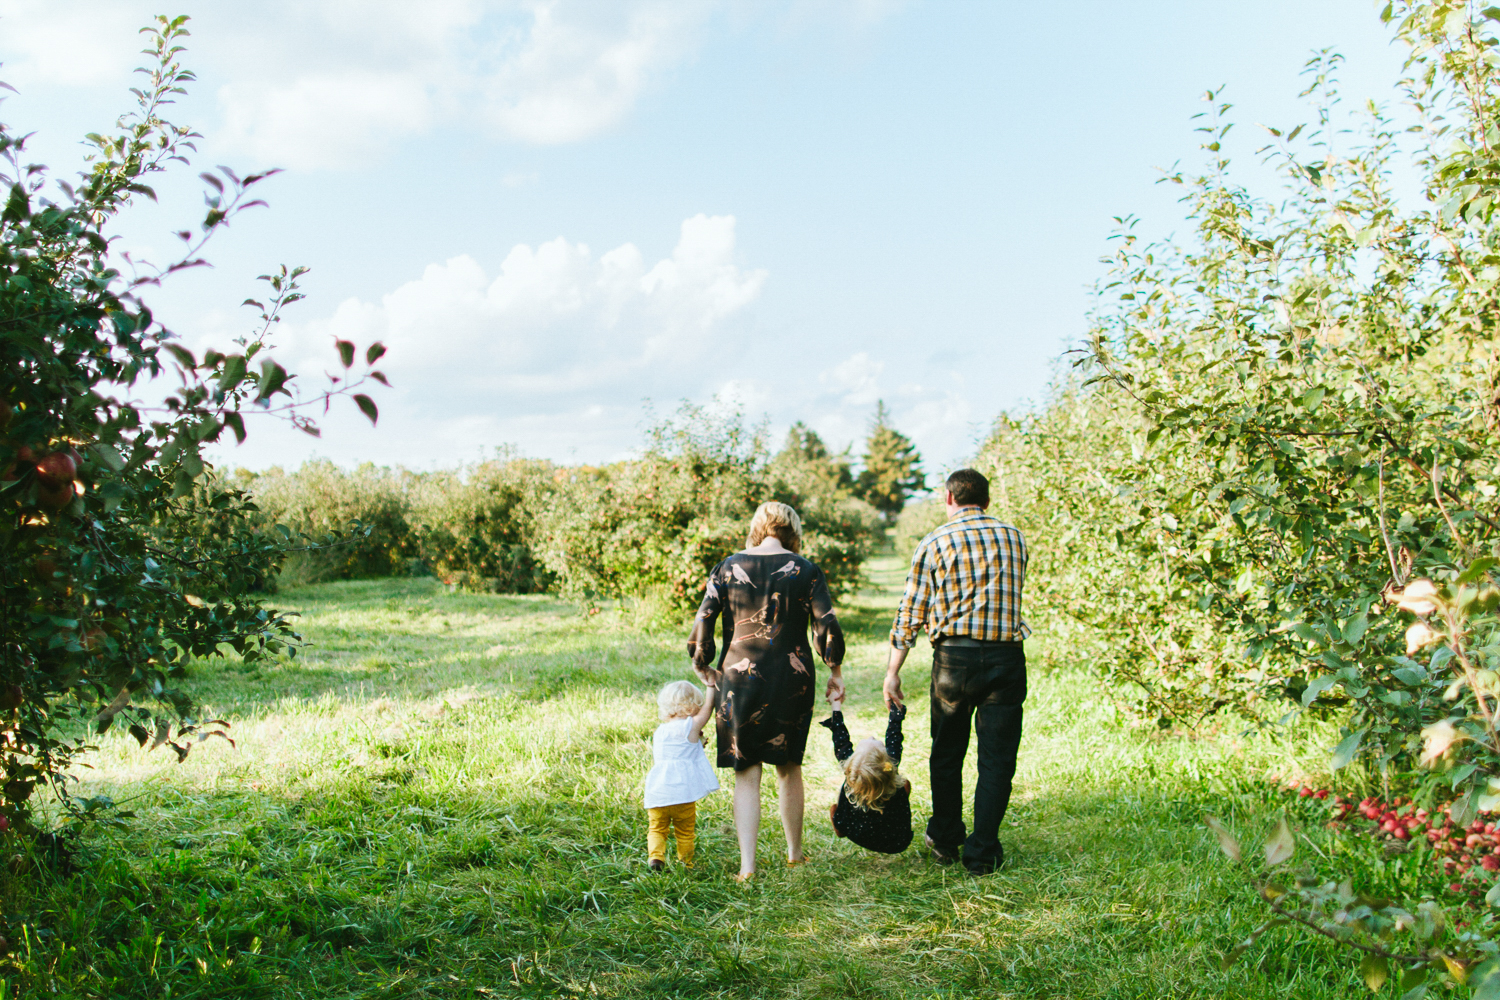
441, 799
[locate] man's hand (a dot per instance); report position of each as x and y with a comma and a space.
892, 692
892, 687
835, 689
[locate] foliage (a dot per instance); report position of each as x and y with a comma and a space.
1289, 426
653, 527
319, 500
1100, 576
917, 520
839, 530
122, 560
477, 528
892, 467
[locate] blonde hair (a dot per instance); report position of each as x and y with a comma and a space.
871, 778
777, 519
678, 699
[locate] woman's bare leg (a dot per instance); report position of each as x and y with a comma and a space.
789, 787
747, 814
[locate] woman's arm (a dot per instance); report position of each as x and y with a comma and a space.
700, 644
828, 636
695, 731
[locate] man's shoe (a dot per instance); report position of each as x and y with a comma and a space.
939, 855
979, 872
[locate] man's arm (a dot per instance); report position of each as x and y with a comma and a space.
892, 689
911, 615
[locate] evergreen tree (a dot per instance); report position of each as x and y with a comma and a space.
805, 463
893, 468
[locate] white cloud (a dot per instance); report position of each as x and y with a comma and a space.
323, 121
856, 379
317, 84
557, 329
68, 44
582, 68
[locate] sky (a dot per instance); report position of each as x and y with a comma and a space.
562, 217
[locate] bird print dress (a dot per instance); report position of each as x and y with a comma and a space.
767, 602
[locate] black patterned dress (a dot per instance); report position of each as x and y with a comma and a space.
767, 602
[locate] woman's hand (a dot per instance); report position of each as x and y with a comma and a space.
835, 689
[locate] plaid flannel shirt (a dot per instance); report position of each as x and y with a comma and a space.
965, 579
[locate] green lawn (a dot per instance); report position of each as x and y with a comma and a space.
441, 799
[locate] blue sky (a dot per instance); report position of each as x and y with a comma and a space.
553, 211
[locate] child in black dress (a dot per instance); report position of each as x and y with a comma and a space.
874, 806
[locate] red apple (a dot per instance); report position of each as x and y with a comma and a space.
56, 469
54, 498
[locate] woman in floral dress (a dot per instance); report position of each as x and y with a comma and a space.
768, 595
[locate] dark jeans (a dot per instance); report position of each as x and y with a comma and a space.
987, 682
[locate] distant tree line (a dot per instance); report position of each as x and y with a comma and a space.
644, 528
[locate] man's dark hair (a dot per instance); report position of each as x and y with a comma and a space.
969, 488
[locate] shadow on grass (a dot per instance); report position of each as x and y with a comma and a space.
362, 890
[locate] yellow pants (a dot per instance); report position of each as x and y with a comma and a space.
681, 819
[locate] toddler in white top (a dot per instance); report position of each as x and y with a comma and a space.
680, 774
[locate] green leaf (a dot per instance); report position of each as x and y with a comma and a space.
17, 206
367, 406
1347, 748
236, 423
1355, 629
1486, 980
1374, 970
1317, 686
273, 379
346, 352
1465, 808
1476, 570
375, 352
233, 372
183, 355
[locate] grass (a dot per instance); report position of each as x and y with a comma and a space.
441, 799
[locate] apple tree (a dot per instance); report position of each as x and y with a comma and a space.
122, 559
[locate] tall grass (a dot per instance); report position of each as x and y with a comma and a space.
442, 800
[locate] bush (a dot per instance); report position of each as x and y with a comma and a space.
475, 527
918, 519
320, 500
1293, 423
651, 528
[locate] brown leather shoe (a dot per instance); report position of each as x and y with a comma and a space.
657, 864
939, 855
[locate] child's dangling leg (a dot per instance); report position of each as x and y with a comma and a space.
658, 821
685, 824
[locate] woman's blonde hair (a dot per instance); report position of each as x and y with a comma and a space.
777, 519
679, 699
871, 778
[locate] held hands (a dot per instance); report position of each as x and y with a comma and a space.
892, 691
835, 690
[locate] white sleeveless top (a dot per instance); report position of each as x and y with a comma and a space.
681, 772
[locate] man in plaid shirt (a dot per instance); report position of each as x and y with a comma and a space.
965, 587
